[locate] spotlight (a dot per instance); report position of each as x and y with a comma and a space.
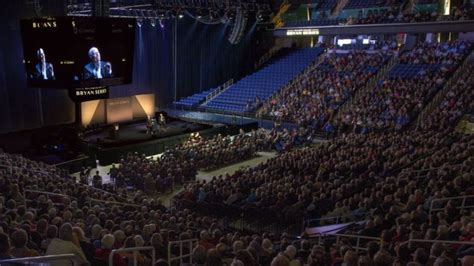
162, 25
153, 22
180, 16
139, 22
259, 16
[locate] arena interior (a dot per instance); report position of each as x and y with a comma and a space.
237, 132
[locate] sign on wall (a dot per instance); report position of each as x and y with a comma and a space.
88, 94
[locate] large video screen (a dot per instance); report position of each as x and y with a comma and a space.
74, 52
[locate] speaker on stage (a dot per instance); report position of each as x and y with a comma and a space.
114, 132
157, 114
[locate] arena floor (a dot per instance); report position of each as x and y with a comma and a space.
202, 175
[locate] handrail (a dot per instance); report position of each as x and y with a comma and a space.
337, 218
356, 237
48, 193
73, 160
434, 168
45, 172
442, 241
111, 255
71, 257
463, 203
91, 199
181, 255
218, 90
24, 169
116, 202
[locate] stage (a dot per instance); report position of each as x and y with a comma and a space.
136, 132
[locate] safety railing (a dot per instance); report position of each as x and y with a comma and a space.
115, 203
48, 194
90, 199
424, 172
446, 242
421, 173
332, 219
48, 258
218, 90
359, 239
11, 167
49, 173
134, 250
461, 208
188, 243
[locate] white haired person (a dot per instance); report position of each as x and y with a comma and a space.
66, 243
43, 69
102, 254
97, 69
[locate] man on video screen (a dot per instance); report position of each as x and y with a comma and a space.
97, 69
43, 70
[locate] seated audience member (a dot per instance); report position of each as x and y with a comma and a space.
19, 241
5, 247
66, 243
102, 254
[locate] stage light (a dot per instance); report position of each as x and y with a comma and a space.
162, 24
139, 22
199, 13
180, 16
153, 22
259, 16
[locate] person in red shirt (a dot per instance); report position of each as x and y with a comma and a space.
103, 253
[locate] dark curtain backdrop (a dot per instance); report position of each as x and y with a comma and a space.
205, 59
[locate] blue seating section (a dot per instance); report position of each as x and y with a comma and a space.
410, 70
194, 100
263, 83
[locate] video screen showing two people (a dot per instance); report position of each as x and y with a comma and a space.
95, 69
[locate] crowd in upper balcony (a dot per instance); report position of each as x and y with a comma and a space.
397, 99
317, 94
389, 14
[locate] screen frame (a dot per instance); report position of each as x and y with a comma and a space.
79, 28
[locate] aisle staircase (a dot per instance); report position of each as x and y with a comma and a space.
368, 86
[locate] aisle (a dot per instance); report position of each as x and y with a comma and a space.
202, 175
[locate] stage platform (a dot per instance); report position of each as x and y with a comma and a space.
67, 147
135, 132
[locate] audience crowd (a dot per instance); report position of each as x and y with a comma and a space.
392, 180
180, 164
311, 100
394, 15
396, 100
459, 99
